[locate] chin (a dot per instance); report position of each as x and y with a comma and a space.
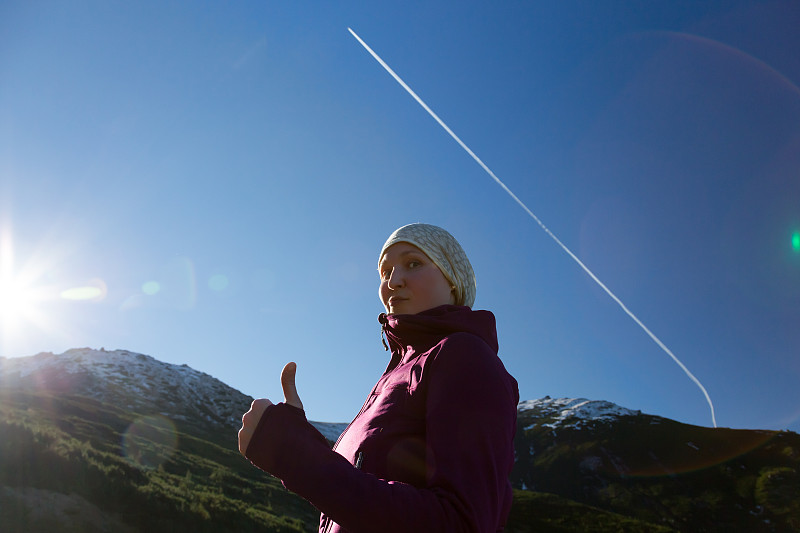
401, 310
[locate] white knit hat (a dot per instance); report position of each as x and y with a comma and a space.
446, 253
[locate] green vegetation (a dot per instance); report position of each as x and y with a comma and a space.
778, 490
663, 472
142, 472
549, 513
72, 445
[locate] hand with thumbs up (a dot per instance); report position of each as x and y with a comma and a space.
251, 418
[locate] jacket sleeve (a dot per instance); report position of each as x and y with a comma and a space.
470, 424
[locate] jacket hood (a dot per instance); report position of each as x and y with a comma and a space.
425, 329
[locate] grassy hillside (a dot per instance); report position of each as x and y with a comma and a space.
534, 512
75, 446
664, 472
72, 464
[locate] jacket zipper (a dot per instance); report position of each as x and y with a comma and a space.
360, 456
328, 521
363, 407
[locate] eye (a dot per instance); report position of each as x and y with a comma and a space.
385, 273
414, 263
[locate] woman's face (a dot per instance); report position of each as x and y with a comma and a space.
411, 282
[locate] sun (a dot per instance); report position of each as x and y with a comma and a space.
36, 306
16, 300
21, 304
24, 313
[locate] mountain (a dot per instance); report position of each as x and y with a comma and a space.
97, 440
658, 470
138, 383
131, 381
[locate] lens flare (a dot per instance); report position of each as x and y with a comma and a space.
151, 287
81, 293
218, 282
150, 441
796, 241
95, 290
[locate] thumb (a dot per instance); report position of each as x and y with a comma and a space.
289, 388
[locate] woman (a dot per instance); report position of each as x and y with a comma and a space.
432, 447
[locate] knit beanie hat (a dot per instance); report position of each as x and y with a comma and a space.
446, 253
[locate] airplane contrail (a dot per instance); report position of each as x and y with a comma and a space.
541, 224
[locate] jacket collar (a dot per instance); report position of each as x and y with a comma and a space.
423, 330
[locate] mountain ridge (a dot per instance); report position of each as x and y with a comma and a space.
147, 379
139, 381
584, 457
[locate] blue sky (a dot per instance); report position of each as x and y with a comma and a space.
210, 184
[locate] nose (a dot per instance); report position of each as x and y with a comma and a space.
396, 279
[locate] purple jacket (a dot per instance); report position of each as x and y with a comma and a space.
430, 450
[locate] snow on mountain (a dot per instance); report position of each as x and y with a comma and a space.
570, 412
136, 382
143, 384
131, 381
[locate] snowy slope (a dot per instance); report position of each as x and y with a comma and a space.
132, 381
138, 383
570, 412
143, 384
